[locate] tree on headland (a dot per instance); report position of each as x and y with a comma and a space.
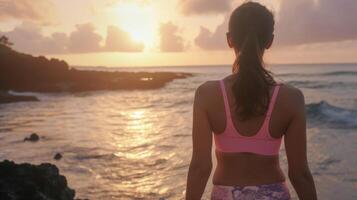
5, 41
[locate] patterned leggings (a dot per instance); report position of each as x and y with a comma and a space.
275, 191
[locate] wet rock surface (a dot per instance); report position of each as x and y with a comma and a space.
33, 182
32, 138
6, 97
58, 156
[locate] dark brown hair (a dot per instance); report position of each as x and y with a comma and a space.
251, 28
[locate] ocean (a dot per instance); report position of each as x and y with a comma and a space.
137, 144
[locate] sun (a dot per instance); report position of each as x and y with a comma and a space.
138, 21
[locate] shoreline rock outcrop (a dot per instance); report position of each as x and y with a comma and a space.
6, 97
32, 138
26, 73
57, 156
33, 182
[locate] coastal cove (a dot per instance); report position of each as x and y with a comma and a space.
22, 78
178, 100
25, 73
132, 144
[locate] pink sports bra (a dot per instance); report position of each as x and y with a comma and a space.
261, 143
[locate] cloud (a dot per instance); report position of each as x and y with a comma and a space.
39, 10
213, 40
309, 21
299, 22
193, 7
84, 39
327, 52
119, 40
28, 38
170, 40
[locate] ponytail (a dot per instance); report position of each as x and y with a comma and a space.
251, 86
251, 28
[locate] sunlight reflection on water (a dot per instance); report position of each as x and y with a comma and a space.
136, 144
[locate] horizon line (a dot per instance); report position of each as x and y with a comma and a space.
208, 65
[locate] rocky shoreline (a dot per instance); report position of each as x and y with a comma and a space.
26, 73
33, 182
6, 97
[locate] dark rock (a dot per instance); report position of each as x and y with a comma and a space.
22, 72
33, 138
33, 182
58, 156
6, 97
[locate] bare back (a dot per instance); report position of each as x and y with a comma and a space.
246, 168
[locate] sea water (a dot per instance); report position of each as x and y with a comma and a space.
137, 144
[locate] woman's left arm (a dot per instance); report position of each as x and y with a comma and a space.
201, 162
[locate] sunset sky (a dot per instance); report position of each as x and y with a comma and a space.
174, 32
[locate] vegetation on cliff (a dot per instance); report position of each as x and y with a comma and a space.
26, 73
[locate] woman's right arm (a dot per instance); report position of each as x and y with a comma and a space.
295, 146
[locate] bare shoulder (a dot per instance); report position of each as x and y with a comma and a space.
206, 88
205, 91
292, 98
292, 92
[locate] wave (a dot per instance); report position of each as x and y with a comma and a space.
337, 73
322, 84
323, 113
88, 156
334, 73
24, 93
